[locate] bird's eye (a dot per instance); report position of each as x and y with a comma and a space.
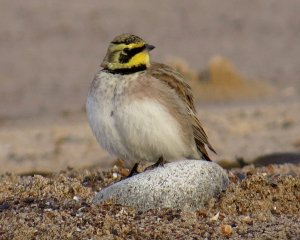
126, 50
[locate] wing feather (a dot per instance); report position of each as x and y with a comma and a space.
176, 81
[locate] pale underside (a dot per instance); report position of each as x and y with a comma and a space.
138, 117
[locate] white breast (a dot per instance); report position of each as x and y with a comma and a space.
132, 129
100, 108
149, 130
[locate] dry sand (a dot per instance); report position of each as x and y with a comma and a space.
265, 204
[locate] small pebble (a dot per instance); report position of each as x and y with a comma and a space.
226, 230
115, 176
76, 198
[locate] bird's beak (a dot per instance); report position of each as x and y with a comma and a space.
149, 47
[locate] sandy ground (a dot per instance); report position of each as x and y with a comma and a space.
265, 204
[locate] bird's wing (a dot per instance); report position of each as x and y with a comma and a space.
176, 81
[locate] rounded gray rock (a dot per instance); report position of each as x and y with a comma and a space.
186, 185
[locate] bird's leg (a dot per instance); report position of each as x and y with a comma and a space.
134, 171
159, 163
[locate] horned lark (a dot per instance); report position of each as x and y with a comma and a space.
141, 110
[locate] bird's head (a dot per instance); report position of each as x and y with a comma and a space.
127, 52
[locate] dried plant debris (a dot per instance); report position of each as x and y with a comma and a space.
264, 204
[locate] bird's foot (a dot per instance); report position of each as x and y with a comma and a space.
134, 171
159, 163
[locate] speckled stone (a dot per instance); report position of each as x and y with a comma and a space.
186, 185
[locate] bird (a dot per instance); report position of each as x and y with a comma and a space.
143, 111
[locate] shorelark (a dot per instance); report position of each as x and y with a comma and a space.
141, 110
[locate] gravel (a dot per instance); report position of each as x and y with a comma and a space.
260, 203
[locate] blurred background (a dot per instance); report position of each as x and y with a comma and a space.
241, 58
